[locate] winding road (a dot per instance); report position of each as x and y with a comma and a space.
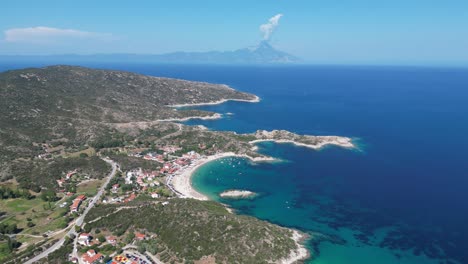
79, 220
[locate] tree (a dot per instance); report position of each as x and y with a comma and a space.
12, 244
141, 248
87, 228
101, 239
130, 237
27, 195
127, 187
11, 229
49, 196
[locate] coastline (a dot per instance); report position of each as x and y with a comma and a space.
301, 253
344, 143
182, 182
255, 100
212, 117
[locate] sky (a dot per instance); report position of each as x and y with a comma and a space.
427, 32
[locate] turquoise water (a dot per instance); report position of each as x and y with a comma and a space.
277, 201
402, 198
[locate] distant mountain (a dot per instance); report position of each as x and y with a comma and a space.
264, 53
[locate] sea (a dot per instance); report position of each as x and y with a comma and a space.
400, 197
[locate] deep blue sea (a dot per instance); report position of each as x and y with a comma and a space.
401, 197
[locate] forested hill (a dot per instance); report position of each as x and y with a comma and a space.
71, 106
100, 95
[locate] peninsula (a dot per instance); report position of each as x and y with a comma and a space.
61, 127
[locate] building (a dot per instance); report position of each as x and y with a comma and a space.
115, 187
84, 239
76, 203
130, 198
139, 236
91, 257
60, 182
111, 240
70, 174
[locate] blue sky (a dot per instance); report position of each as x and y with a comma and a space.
319, 31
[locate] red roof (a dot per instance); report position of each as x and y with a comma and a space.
76, 204
91, 259
139, 236
130, 198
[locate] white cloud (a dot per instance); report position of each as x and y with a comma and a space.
49, 34
268, 28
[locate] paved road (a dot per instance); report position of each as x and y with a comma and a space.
79, 220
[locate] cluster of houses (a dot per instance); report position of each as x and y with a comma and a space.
174, 165
86, 239
91, 256
143, 178
154, 157
170, 149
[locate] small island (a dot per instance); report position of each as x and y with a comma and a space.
314, 142
237, 194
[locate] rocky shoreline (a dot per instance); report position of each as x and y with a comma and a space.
255, 100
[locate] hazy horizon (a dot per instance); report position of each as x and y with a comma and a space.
324, 32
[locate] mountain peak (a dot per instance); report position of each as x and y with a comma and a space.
264, 52
264, 45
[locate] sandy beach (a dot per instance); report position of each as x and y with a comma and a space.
182, 182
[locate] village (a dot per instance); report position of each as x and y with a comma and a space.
101, 246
